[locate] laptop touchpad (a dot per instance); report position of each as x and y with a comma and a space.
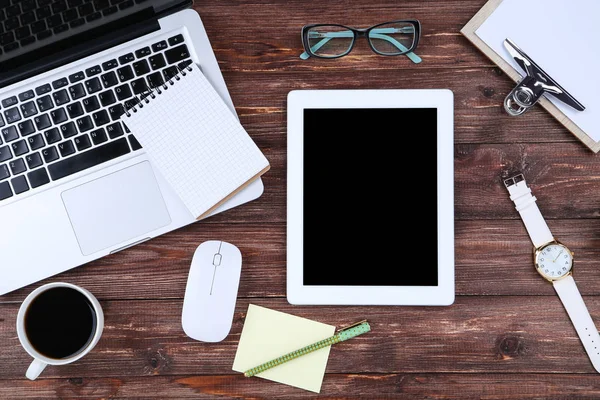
116, 208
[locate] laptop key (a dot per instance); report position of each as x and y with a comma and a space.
19, 148
110, 10
57, 84
4, 172
5, 153
90, 158
83, 142
38, 177
155, 80
176, 40
93, 16
76, 77
40, 90
77, 22
116, 111
5, 191
42, 122
139, 86
98, 136
126, 4
125, 73
20, 184
33, 160
10, 133
52, 136
12, 115
170, 72
127, 58
177, 54
59, 115
61, 97
26, 95
44, 103
143, 52
101, 117
109, 79
157, 61
1, 121
95, 70
77, 91
44, 35
114, 130
9, 102
26, 127
27, 41
36, 141
110, 65
85, 124
93, 85
68, 130
123, 92
28, 109
66, 148
159, 46
75, 109
17, 166
50, 154
107, 98
141, 67
135, 145
91, 103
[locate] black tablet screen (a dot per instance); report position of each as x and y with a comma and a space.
370, 197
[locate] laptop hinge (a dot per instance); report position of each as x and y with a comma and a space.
65, 51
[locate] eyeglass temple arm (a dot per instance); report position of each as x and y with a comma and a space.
375, 33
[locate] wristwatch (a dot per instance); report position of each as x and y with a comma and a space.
554, 261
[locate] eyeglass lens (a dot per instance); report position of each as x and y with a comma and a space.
393, 38
330, 40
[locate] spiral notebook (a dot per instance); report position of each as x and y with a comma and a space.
195, 141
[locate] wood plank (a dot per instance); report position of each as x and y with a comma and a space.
276, 46
493, 257
508, 335
335, 386
478, 92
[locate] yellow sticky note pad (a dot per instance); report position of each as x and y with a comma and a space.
268, 334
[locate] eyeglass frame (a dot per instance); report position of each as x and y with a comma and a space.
364, 32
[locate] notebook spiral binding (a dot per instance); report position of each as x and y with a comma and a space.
156, 90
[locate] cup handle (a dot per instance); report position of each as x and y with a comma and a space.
35, 369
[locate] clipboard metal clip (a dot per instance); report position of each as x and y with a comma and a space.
533, 86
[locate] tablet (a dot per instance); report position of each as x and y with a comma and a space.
370, 197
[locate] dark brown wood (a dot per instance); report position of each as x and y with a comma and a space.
506, 337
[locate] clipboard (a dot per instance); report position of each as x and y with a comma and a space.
469, 31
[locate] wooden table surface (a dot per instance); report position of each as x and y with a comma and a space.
507, 336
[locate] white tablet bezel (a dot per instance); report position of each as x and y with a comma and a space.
297, 292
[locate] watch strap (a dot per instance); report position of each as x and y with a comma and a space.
582, 321
526, 205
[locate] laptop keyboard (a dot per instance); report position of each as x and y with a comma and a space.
72, 123
23, 22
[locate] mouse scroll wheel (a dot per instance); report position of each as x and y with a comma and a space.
217, 260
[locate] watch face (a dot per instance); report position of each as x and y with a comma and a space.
554, 261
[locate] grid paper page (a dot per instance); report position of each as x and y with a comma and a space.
196, 142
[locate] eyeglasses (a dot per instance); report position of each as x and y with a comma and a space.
392, 38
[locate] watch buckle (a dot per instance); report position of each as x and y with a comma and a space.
513, 180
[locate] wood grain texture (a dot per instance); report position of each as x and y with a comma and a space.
506, 337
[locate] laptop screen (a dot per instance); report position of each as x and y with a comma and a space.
370, 200
31, 30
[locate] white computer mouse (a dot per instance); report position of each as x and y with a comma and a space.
211, 291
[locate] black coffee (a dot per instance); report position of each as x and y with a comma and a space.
60, 322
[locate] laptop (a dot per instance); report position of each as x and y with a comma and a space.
75, 184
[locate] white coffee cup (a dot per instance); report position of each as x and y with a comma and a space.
40, 361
